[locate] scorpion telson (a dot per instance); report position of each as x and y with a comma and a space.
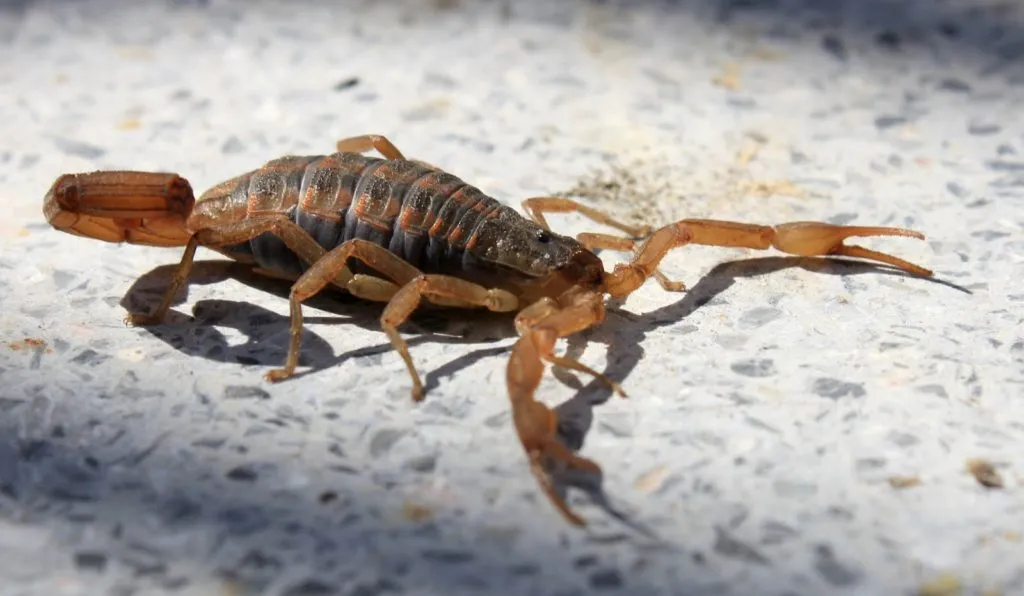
399, 231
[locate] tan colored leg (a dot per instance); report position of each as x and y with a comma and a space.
535, 423
442, 287
594, 241
294, 237
537, 206
371, 288
805, 238
327, 269
364, 143
544, 309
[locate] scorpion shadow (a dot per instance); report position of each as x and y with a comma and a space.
624, 340
266, 336
266, 332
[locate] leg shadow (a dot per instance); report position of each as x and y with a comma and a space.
266, 332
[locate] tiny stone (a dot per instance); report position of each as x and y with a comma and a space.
1000, 165
444, 555
90, 357
232, 145
728, 546
78, 149
384, 440
954, 85
91, 561
832, 570
605, 579
884, 122
956, 190
423, 463
889, 39
245, 392
902, 439
985, 473
348, 83
754, 368
835, 389
242, 474
835, 46
757, 317
983, 129
310, 587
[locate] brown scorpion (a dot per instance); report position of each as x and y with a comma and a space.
397, 231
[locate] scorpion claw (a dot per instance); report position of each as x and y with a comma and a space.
544, 480
552, 455
536, 425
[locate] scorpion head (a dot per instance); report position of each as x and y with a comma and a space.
534, 261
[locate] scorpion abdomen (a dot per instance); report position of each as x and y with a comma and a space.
423, 215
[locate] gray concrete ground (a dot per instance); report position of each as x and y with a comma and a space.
795, 426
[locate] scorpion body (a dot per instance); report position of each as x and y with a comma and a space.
401, 231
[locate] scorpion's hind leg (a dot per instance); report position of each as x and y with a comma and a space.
331, 268
236, 232
535, 423
364, 143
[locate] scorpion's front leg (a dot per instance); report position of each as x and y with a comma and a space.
805, 238
535, 423
536, 207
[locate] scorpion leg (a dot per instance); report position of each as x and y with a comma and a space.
537, 206
540, 310
536, 424
297, 239
327, 269
444, 288
364, 143
805, 238
607, 242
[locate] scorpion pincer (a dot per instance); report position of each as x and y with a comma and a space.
398, 231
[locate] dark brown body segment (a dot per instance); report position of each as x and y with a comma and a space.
424, 216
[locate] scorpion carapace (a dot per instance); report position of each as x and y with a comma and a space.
398, 231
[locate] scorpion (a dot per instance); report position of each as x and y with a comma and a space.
400, 231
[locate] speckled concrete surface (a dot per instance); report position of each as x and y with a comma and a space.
795, 426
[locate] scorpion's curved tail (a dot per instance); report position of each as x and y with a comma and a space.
148, 208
